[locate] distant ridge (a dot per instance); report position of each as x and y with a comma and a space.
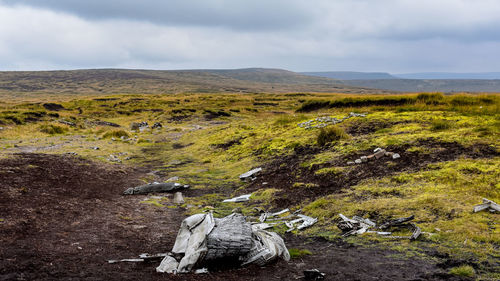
137, 81
449, 75
351, 75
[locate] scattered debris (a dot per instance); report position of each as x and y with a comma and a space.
178, 199
305, 221
356, 225
313, 274
241, 198
487, 205
202, 238
95, 148
155, 187
250, 175
324, 121
396, 222
377, 154
143, 258
359, 225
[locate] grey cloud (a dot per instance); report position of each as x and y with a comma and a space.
232, 14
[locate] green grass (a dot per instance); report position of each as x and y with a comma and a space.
330, 134
298, 253
196, 149
463, 270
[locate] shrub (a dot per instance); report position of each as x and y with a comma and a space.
52, 129
329, 134
440, 124
463, 270
116, 134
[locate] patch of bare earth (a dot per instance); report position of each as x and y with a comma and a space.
64, 217
287, 170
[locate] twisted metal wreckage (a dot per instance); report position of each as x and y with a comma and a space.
203, 238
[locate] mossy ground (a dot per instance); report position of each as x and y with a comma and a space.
207, 140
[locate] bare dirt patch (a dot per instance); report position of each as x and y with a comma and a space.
285, 171
64, 217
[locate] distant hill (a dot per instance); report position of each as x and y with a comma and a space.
351, 75
117, 81
448, 75
430, 85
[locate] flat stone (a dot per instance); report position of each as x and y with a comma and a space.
396, 156
358, 161
377, 150
364, 159
379, 153
350, 163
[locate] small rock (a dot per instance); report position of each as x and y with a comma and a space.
379, 153
389, 154
357, 161
95, 148
157, 125
178, 199
364, 159
113, 139
377, 150
350, 163
396, 156
313, 274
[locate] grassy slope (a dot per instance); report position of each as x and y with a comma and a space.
210, 152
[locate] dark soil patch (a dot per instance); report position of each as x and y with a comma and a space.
64, 217
227, 144
53, 106
285, 171
364, 127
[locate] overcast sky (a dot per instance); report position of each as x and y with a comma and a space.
394, 36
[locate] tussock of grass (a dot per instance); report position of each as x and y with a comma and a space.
116, 134
463, 270
52, 129
329, 134
440, 124
298, 253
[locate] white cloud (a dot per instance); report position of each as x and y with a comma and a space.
385, 35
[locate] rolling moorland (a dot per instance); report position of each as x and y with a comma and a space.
68, 152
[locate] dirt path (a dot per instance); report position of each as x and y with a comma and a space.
64, 217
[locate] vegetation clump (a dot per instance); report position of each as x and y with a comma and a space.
440, 125
298, 253
116, 134
463, 270
329, 134
52, 129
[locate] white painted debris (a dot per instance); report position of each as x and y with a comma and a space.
201, 232
396, 156
126, 260
487, 205
279, 213
201, 271
168, 265
178, 199
307, 221
155, 187
250, 174
377, 150
241, 198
